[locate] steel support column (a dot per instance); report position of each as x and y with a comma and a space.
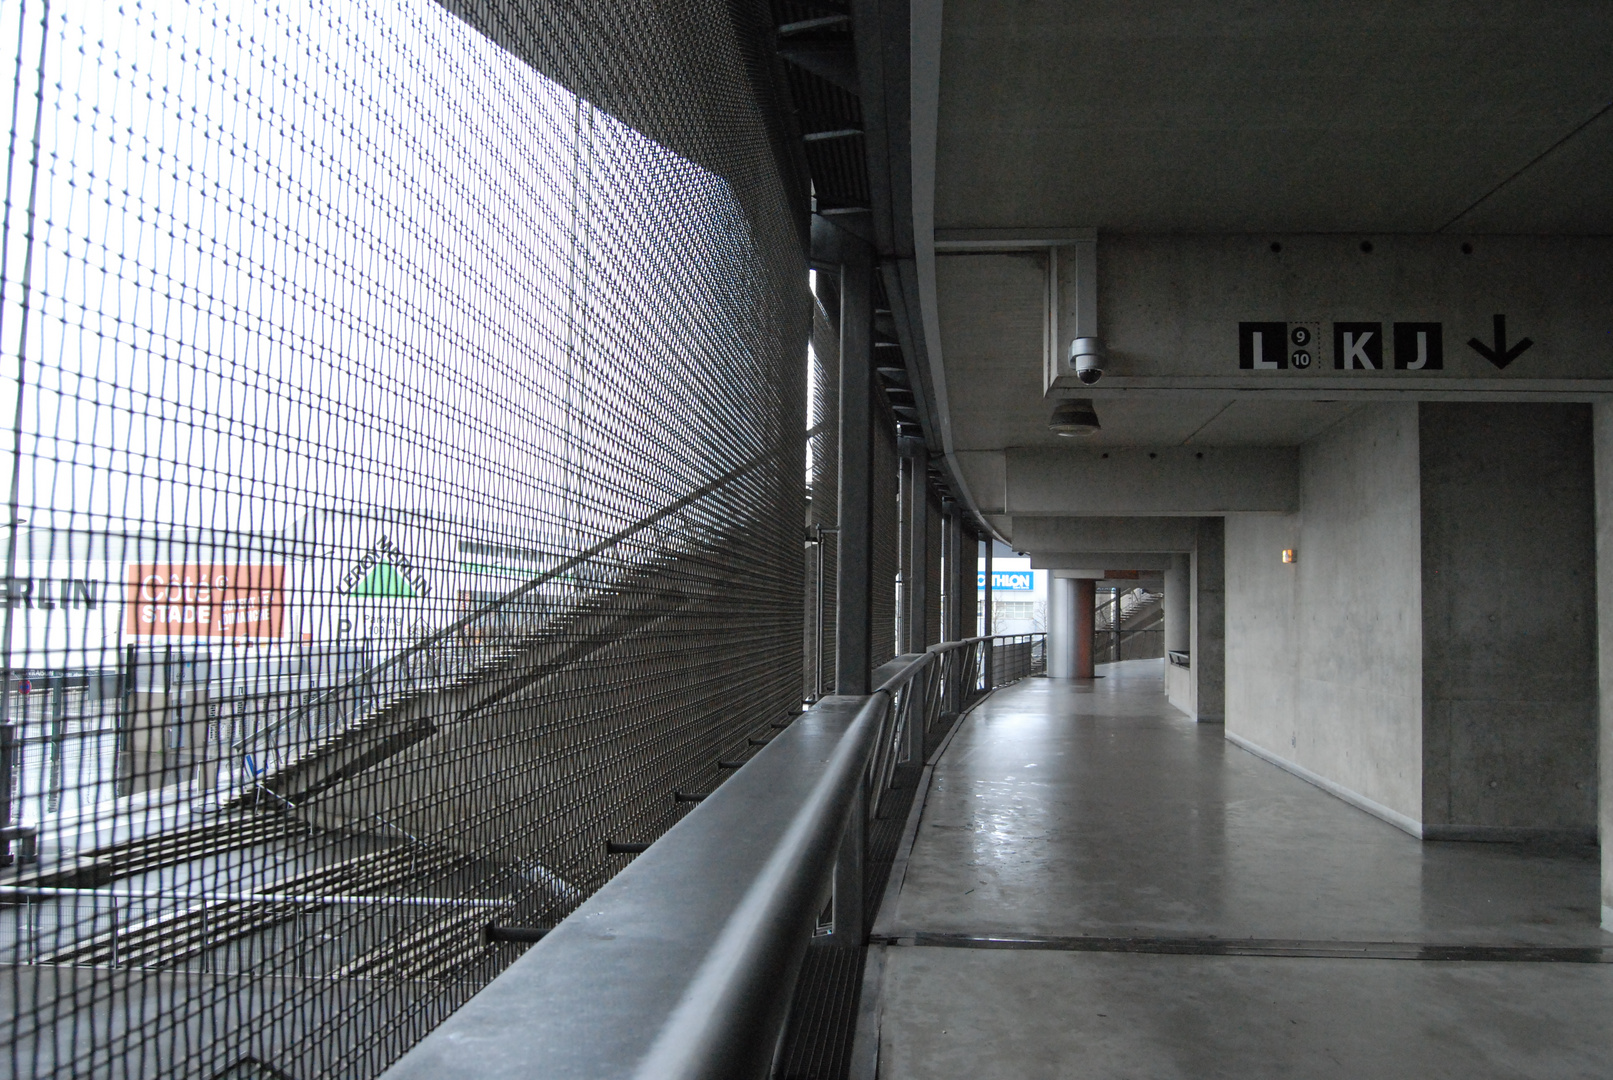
985, 617
854, 565
917, 571
904, 573
952, 614
954, 629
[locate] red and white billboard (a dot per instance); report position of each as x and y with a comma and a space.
205, 601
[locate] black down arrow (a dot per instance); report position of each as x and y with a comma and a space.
1500, 355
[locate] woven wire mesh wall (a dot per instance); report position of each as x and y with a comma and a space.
406, 501
823, 459
886, 555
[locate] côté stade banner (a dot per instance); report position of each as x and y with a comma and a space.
205, 601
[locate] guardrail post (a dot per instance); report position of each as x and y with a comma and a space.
913, 708
6, 752
850, 916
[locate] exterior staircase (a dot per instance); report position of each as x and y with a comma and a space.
1140, 611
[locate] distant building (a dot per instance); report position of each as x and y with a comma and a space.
1018, 596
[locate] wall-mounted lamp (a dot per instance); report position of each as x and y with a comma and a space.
1074, 419
1288, 555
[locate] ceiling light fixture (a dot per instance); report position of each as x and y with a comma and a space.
1075, 419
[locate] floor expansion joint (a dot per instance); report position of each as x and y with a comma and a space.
1261, 947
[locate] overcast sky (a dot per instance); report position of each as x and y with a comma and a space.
343, 255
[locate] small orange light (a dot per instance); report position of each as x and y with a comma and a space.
1288, 555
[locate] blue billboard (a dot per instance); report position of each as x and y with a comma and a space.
1007, 580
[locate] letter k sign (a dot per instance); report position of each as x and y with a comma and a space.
1358, 345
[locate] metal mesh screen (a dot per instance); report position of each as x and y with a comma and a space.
823, 480
405, 502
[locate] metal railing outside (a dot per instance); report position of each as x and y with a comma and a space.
686, 963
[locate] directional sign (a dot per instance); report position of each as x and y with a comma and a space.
1419, 346
1499, 354
1262, 346
1358, 345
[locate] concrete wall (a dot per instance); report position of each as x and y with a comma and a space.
1324, 655
1509, 620
1603, 450
1207, 647
1179, 687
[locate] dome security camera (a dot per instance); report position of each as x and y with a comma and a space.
1086, 356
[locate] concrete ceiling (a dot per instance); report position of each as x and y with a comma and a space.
1404, 116
1464, 117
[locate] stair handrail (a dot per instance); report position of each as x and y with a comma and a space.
368, 674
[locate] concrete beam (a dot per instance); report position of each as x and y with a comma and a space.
1170, 309
1105, 560
1173, 481
1148, 535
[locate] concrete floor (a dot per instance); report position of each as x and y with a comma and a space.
1066, 809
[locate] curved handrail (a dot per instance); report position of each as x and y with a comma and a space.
685, 963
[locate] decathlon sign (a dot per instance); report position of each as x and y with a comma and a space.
1007, 580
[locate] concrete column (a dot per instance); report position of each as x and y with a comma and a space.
854, 628
1177, 605
1085, 600
1208, 644
1603, 427
1061, 629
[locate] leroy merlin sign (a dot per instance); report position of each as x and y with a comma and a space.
385, 571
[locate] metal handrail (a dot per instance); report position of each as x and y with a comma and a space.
685, 963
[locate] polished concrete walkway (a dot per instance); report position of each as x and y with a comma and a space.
1080, 811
